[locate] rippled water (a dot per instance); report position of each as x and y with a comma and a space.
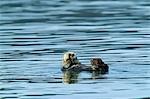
34, 34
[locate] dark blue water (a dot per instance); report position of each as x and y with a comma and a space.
34, 34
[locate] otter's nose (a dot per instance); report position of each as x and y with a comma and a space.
72, 56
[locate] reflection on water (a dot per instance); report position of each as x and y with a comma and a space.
98, 74
71, 77
34, 34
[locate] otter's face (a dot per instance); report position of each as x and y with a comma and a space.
70, 59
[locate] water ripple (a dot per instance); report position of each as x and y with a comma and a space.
34, 35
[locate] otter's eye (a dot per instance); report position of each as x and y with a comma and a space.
69, 54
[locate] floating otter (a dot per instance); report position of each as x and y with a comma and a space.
71, 63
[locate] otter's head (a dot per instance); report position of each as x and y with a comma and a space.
70, 59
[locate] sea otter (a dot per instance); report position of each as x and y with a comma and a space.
71, 63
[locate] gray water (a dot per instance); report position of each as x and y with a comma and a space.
34, 34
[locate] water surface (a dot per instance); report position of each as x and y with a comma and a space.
34, 34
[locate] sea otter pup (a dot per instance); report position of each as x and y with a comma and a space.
71, 63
